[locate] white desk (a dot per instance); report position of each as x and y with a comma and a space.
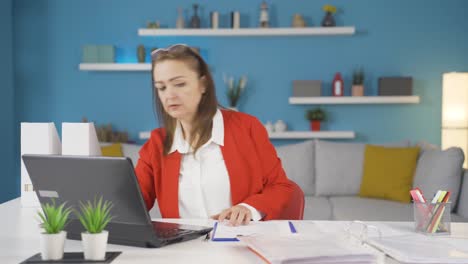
19, 239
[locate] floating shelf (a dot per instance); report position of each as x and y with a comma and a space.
228, 32
293, 134
414, 99
311, 134
115, 66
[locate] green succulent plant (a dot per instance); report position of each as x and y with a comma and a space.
54, 217
358, 77
315, 114
95, 215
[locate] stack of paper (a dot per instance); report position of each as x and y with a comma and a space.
417, 248
308, 249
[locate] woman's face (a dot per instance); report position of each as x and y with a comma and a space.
179, 88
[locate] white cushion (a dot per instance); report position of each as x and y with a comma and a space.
298, 163
439, 170
317, 208
131, 151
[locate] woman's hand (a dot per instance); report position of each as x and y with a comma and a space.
237, 215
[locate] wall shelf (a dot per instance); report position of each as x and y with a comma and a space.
228, 32
311, 134
293, 134
115, 66
414, 99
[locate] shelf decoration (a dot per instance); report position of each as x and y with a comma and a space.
358, 83
264, 18
328, 19
315, 116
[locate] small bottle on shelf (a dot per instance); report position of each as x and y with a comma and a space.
338, 85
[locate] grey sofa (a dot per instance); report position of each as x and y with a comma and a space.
330, 175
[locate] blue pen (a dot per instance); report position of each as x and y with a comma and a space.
291, 226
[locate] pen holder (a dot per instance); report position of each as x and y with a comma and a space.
432, 218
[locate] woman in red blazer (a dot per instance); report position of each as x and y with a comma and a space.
184, 95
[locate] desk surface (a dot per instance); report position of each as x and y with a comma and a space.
19, 239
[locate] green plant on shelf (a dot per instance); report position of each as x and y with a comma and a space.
316, 114
358, 77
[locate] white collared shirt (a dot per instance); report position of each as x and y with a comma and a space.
204, 187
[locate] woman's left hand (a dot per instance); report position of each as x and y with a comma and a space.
237, 215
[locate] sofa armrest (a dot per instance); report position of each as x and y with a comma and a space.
462, 208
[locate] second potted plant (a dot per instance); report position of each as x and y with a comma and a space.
315, 116
94, 217
358, 83
54, 219
234, 90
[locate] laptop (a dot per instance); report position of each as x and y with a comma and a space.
82, 178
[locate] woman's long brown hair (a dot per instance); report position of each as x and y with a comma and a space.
203, 121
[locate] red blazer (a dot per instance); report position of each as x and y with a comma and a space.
255, 171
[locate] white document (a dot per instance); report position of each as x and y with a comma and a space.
36, 138
401, 242
308, 249
224, 232
418, 248
80, 139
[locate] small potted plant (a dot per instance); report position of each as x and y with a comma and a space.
315, 116
358, 83
94, 217
54, 218
234, 90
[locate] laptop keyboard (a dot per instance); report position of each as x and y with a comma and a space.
169, 233
169, 230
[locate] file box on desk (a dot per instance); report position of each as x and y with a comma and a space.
432, 218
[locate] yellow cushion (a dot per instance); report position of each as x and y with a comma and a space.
114, 150
388, 172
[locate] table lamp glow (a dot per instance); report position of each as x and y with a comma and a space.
455, 111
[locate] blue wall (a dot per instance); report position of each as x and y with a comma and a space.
9, 182
416, 38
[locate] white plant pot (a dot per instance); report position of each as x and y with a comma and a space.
52, 245
94, 245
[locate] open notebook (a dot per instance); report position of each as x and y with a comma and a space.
308, 249
407, 246
358, 242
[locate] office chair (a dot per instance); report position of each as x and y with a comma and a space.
295, 208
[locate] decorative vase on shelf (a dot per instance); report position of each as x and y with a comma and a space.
338, 85
357, 90
280, 126
298, 21
269, 127
264, 18
315, 125
180, 23
358, 83
328, 20
141, 53
195, 20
